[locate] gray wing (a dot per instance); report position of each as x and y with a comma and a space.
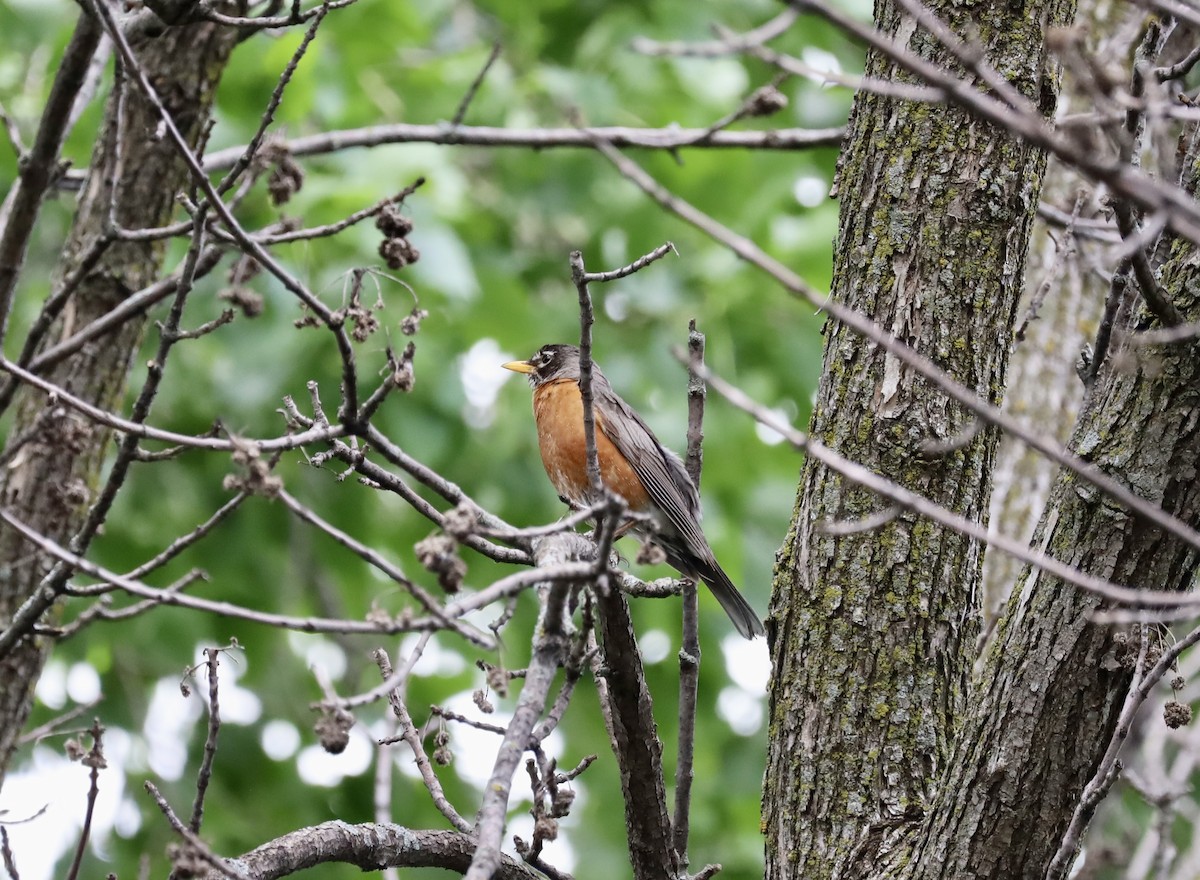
661, 471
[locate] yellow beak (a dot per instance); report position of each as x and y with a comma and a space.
519, 366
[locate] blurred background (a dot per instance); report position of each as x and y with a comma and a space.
494, 227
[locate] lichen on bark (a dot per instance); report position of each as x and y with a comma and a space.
51, 483
874, 631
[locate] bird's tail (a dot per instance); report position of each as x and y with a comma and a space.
699, 563
734, 603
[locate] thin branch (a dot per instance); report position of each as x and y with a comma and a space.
204, 775
669, 139
586, 318
268, 115
728, 44
408, 731
248, 245
550, 643
917, 503
397, 679
465, 104
382, 478
193, 441
10, 862
37, 734
1018, 115
13, 131
1110, 767
196, 846
689, 649
372, 558
40, 164
94, 759
868, 329
581, 278
130, 307
31, 610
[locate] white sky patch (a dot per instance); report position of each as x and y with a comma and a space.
748, 662
614, 246
741, 711
319, 652
482, 379
616, 306
280, 739
128, 820
52, 685
170, 719
49, 780
820, 61
435, 660
790, 232
714, 81
317, 767
238, 704
810, 190
769, 435
655, 646
445, 264
83, 683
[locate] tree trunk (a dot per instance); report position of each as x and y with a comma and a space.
53, 480
1061, 308
875, 630
1053, 684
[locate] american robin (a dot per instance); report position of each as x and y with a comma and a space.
633, 464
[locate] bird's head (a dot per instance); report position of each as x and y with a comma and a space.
549, 363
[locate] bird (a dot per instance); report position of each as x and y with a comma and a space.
650, 478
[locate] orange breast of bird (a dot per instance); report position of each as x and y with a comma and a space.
558, 410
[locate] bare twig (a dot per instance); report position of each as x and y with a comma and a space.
408, 731
913, 501
689, 649
94, 759
586, 319
103, 417
868, 329
549, 649
268, 115
54, 724
40, 164
1110, 767
1018, 115
10, 863
131, 306
248, 245
29, 612
196, 846
204, 775
461, 113
786, 139
372, 558
727, 44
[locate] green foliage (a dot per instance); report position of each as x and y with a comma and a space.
495, 226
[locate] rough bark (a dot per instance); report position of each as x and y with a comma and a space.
1052, 688
1043, 387
54, 478
874, 631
